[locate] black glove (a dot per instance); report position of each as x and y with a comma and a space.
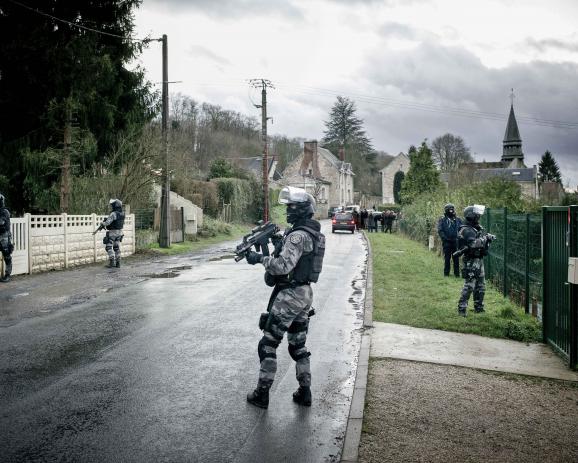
254, 258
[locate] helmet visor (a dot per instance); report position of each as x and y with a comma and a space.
291, 195
479, 209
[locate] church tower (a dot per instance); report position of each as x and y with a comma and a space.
512, 143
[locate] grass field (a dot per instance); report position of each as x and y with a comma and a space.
409, 288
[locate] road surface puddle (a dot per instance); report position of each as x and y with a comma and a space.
165, 274
226, 256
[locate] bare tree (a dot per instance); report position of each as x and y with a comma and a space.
449, 152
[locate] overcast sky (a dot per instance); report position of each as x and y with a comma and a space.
415, 68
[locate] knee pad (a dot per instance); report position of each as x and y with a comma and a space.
263, 354
298, 351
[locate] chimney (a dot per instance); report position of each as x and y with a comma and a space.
342, 153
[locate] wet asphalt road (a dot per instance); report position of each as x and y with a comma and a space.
158, 371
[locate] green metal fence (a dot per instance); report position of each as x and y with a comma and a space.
560, 238
514, 263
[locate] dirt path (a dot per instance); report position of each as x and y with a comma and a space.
421, 412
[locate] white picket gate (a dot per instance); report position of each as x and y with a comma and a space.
52, 242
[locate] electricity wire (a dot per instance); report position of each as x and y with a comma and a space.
79, 26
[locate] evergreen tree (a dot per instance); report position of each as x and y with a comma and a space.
48, 66
397, 183
548, 170
345, 129
422, 176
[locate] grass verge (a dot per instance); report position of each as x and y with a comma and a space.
409, 288
212, 232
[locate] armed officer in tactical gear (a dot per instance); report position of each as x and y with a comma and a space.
474, 243
448, 227
6, 246
113, 225
296, 263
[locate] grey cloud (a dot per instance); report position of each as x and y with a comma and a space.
546, 44
397, 30
453, 77
230, 9
197, 50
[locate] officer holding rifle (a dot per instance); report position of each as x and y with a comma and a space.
474, 243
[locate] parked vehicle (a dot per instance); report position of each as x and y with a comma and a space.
343, 221
332, 211
352, 207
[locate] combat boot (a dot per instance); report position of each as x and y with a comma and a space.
110, 263
118, 263
259, 397
302, 396
5, 278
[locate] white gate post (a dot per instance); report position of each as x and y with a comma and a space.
94, 236
28, 241
63, 218
134, 234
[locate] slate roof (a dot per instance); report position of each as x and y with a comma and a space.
255, 166
517, 175
512, 133
337, 163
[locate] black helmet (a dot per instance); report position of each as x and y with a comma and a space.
300, 204
116, 204
449, 207
473, 213
1, 200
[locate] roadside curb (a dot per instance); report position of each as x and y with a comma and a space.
352, 438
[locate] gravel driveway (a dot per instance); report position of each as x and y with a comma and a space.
422, 412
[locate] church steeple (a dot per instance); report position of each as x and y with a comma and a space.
512, 141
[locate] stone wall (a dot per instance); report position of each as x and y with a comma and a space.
62, 241
400, 162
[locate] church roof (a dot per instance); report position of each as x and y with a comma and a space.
517, 175
512, 133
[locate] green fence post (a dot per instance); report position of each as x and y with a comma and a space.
489, 262
505, 252
527, 278
573, 245
545, 280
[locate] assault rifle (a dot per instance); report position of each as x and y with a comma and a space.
259, 237
489, 238
100, 227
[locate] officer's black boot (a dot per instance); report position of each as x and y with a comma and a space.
118, 263
5, 278
110, 263
302, 396
7, 272
259, 397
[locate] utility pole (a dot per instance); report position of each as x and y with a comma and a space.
165, 231
264, 83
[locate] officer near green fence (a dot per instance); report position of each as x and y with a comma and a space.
295, 264
113, 225
473, 244
6, 246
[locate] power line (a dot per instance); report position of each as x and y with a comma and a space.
79, 26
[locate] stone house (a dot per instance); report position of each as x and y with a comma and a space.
399, 163
321, 173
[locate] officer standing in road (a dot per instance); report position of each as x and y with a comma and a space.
474, 243
448, 227
295, 264
113, 225
6, 245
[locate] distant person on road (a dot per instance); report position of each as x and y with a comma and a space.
355, 215
6, 246
363, 217
113, 224
448, 227
291, 270
474, 243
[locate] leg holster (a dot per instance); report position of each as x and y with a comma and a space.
265, 342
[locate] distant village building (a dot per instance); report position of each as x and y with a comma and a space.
255, 167
399, 163
321, 173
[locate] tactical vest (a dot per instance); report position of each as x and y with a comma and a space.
117, 223
310, 265
4, 220
471, 253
